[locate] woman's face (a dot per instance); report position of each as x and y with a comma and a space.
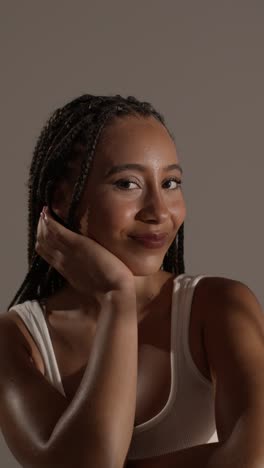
119, 204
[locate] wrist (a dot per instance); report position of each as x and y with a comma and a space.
125, 294
122, 300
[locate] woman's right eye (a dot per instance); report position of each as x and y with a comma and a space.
129, 181
124, 181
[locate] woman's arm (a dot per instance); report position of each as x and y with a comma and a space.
42, 429
234, 340
192, 457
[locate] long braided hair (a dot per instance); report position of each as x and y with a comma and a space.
72, 131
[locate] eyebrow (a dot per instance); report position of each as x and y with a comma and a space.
139, 167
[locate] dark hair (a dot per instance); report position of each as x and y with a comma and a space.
72, 131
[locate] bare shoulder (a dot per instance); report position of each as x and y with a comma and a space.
212, 290
11, 333
230, 310
213, 283
11, 343
7, 322
208, 290
233, 337
13, 329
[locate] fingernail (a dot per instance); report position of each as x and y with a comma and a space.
45, 213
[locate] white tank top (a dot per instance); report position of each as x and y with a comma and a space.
188, 417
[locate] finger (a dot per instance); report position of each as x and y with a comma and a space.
51, 246
44, 253
44, 235
48, 236
53, 257
61, 236
45, 247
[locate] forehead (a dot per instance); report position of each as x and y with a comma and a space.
135, 139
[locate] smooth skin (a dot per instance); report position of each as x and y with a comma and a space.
151, 204
234, 339
110, 211
232, 318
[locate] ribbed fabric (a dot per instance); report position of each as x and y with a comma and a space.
188, 417
32, 315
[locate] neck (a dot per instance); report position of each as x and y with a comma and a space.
68, 303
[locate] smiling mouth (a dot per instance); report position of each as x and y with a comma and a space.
150, 243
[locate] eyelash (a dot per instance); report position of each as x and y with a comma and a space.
174, 179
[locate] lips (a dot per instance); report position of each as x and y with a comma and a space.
151, 237
150, 242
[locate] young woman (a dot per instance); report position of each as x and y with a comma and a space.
110, 354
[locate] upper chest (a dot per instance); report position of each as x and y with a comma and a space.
72, 345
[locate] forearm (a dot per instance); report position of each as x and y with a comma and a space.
101, 414
243, 449
192, 457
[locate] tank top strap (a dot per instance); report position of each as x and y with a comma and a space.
32, 315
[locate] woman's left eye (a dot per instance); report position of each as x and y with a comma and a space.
127, 181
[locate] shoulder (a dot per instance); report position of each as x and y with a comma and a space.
13, 330
231, 314
207, 293
211, 291
216, 294
8, 321
12, 344
215, 290
221, 283
233, 337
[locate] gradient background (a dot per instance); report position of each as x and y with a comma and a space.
200, 63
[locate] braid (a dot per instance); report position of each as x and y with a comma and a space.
180, 251
75, 130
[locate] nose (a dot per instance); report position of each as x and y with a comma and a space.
155, 208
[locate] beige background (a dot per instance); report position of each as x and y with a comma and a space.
199, 62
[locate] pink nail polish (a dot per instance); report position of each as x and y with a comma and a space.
43, 214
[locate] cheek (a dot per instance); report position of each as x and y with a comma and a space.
179, 209
111, 217
112, 214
